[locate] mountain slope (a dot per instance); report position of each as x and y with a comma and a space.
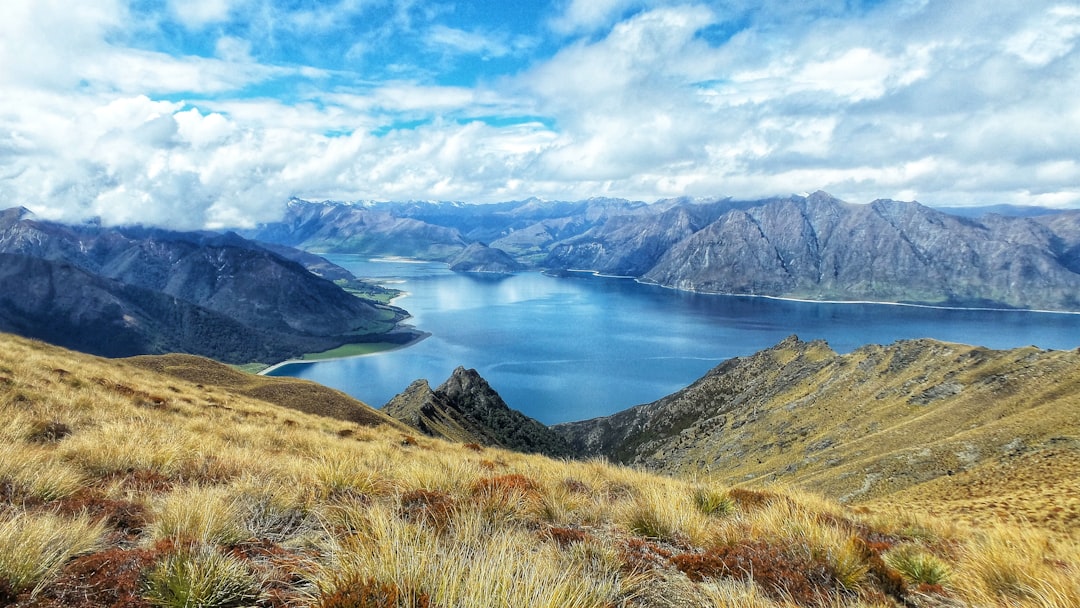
878, 422
466, 409
821, 248
206, 293
123, 487
814, 247
296, 394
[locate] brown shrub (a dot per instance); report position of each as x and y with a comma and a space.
143, 480
127, 517
779, 573
879, 574
369, 593
280, 570
435, 509
750, 499
476, 447
505, 484
564, 537
639, 556
112, 578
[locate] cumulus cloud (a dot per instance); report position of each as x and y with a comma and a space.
940, 101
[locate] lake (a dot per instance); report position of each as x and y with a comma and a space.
571, 348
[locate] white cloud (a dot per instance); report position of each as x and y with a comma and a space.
1051, 35
943, 101
589, 15
196, 14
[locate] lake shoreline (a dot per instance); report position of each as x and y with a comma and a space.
597, 273
420, 337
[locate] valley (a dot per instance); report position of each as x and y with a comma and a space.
597, 441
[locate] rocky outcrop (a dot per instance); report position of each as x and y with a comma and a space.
466, 409
478, 257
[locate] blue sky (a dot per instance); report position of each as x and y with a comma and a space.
213, 113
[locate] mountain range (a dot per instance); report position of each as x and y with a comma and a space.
812, 247
134, 290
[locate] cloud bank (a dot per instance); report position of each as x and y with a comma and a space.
213, 113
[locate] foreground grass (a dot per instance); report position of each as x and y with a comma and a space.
123, 487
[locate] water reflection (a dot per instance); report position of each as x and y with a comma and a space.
581, 346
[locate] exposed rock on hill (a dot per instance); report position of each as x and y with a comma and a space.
880, 420
478, 257
128, 291
466, 409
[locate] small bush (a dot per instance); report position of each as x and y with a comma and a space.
201, 576
647, 522
210, 515
33, 548
713, 503
918, 566
505, 484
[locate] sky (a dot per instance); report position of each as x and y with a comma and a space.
214, 113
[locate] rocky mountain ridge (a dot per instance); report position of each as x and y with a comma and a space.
466, 409
807, 247
134, 290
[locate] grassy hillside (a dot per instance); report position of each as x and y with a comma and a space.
120, 486
967, 431
292, 393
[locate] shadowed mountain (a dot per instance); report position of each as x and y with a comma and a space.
127, 291
466, 409
913, 416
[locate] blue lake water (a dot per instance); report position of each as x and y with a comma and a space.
577, 347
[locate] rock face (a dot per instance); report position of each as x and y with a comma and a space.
819, 247
466, 409
129, 291
879, 420
478, 257
813, 247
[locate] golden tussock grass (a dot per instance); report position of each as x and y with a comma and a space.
186, 495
